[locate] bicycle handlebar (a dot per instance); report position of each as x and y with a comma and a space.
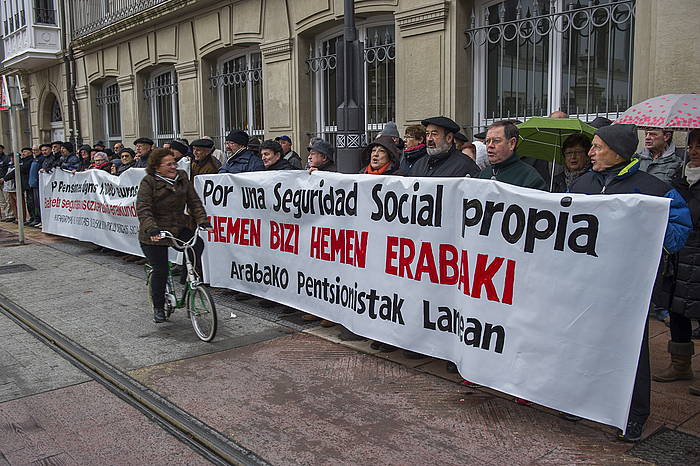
178, 242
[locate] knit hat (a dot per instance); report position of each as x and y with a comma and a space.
68, 146
387, 143
322, 146
180, 147
620, 138
390, 130
100, 143
238, 136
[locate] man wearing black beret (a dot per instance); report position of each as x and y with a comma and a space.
240, 159
143, 150
443, 158
203, 163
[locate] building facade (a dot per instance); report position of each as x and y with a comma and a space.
188, 68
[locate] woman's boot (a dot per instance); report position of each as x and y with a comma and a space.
680, 367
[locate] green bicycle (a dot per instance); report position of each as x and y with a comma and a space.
195, 297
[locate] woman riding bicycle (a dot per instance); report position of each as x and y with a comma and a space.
163, 195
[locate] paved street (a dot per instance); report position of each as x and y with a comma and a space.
289, 391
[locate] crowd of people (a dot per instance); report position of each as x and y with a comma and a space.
606, 164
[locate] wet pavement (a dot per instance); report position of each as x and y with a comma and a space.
288, 390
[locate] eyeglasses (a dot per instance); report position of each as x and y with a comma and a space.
494, 141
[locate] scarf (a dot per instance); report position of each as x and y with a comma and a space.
692, 174
379, 171
570, 176
170, 181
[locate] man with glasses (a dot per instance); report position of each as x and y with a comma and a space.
240, 159
144, 146
443, 158
504, 164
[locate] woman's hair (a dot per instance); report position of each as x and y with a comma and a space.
694, 136
574, 140
155, 158
416, 131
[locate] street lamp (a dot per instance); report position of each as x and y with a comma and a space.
350, 113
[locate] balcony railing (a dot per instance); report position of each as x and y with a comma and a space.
92, 15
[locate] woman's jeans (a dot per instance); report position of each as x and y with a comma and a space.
158, 258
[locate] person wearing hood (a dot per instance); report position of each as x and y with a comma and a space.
576, 162
660, 157
505, 164
273, 157
383, 156
414, 136
69, 160
203, 162
683, 299
144, 146
240, 159
443, 158
321, 156
614, 171
84, 157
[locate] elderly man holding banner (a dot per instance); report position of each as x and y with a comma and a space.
615, 172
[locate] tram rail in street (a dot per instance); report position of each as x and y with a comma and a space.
200, 437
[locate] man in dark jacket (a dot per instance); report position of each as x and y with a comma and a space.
443, 158
203, 163
505, 165
69, 161
321, 156
51, 161
292, 157
272, 156
144, 146
240, 159
615, 172
5, 211
35, 213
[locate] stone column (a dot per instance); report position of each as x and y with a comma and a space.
128, 109
188, 99
278, 89
85, 110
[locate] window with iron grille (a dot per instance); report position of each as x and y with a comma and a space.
379, 55
107, 100
532, 57
238, 83
161, 92
44, 12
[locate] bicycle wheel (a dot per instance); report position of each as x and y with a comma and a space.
202, 312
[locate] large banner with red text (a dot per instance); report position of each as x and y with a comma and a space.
94, 206
542, 296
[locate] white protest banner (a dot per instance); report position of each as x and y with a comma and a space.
542, 296
94, 206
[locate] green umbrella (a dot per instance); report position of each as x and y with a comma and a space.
542, 137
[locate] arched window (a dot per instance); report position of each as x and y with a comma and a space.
237, 79
160, 91
534, 57
379, 57
107, 101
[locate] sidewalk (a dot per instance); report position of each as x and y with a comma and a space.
295, 394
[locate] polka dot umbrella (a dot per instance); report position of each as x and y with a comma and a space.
679, 112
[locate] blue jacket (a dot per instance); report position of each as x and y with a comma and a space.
34, 171
629, 179
241, 162
70, 162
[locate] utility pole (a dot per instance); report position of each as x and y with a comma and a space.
350, 79
15, 100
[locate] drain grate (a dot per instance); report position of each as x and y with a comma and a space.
15, 268
669, 447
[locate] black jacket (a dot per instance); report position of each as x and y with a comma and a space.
452, 163
281, 164
514, 171
25, 165
50, 162
411, 156
4, 164
686, 290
